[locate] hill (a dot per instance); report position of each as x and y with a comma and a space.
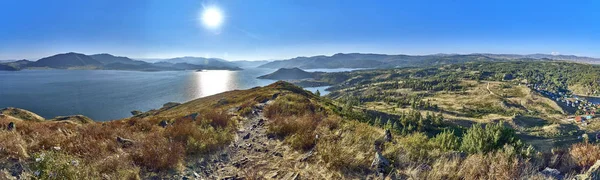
278, 131
7, 68
249, 64
67, 61
213, 63
109, 59
288, 74
358, 60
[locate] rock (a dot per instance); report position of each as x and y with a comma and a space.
125, 143
193, 116
307, 156
136, 112
228, 178
380, 163
240, 163
170, 105
79, 119
277, 154
592, 173
11, 126
388, 135
261, 122
291, 176
275, 96
553, 173
16, 170
222, 101
21, 114
196, 175
270, 136
246, 136
163, 123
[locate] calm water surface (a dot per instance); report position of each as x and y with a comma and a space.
108, 95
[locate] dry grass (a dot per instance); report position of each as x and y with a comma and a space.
585, 154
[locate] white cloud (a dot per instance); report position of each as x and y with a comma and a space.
554, 53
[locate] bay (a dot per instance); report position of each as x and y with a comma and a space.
107, 94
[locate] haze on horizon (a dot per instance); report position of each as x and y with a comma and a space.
266, 30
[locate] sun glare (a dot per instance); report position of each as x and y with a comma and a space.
212, 17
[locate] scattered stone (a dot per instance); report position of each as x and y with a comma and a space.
196, 175
272, 174
11, 126
16, 170
125, 143
240, 163
136, 112
229, 178
277, 154
388, 135
553, 173
271, 136
222, 101
261, 122
592, 173
193, 116
246, 136
380, 163
307, 156
170, 105
291, 176
275, 96
163, 123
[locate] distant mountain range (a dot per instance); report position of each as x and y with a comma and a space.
359, 60
110, 62
350, 60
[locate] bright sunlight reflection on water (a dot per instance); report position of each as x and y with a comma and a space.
206, 83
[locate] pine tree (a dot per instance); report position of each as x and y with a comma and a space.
318, 93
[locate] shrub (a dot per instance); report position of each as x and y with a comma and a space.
446, 141
494, 136
156, 153
57, 165
289, 105
198, 138
217, 119
12, 145
585, 154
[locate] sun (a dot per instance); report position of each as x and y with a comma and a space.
212, 17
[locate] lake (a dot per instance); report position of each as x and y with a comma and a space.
107, 95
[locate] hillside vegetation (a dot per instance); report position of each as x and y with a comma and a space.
278, 131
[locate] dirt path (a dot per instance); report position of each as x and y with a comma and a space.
251, 150
488, 88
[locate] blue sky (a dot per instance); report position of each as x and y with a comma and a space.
277, 29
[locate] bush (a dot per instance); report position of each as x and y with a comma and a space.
56, 165
12, 145
494, 136
585, 154
156, 153
289, 105
446, 141
198, 137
